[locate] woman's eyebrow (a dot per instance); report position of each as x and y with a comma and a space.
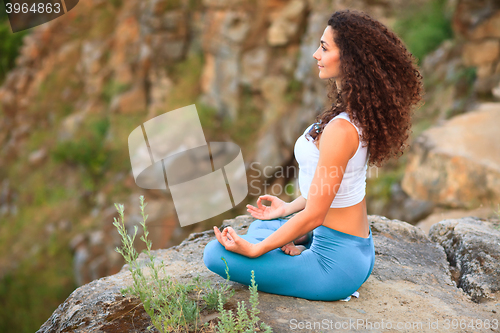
323, 42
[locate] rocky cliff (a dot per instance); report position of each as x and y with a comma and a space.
84, 81
411, 286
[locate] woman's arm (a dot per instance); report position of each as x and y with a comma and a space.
295, 205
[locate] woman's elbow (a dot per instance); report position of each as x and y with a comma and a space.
315, 218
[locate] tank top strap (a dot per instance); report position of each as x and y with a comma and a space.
345, 116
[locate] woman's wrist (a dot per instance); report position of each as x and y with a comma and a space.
287, 210
257, 250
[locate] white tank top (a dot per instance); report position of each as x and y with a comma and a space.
353, 186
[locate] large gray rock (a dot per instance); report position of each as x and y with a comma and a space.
457, 164
473, 250
410, 284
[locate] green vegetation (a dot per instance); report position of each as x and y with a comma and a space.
34, 289
242, 322
112, 88
10, 44
497, 213
176, 307
424, 27
245, 129
117, 3
380, 187
293, 93
88, 152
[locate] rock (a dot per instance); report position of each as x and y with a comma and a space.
410, 282
440, 214
222, 46
254, 64
273, 90
36, 157
286, 24
70, 124
473, 248
457, 164
490, 28
131, 101
480, 53
402, 207
470, 16
405, 253
268, 152
235, 26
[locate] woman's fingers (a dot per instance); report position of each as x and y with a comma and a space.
259, 203
231, 234
218, 235
255, 213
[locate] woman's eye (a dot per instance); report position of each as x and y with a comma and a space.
323, 48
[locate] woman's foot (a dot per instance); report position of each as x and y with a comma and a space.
292, 249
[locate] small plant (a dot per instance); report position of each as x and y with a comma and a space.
176, 307
213, 294
497, 213
242, 322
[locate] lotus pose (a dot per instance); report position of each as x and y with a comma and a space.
376, 84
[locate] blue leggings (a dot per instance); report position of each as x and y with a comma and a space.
333, 266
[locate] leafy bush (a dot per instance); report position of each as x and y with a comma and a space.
424, 27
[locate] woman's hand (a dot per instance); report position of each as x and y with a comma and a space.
234, 243
277, 208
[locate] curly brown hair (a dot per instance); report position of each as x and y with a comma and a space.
380, 84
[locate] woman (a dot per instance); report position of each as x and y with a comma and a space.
376, 84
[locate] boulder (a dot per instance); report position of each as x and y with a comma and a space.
473, 250
410, 285
457, 164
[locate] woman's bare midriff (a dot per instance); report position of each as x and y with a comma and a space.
351, 220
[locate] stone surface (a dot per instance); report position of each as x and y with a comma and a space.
473, 250
457, 164
285, 25
480, 53
404, 208
410, 282
440, 214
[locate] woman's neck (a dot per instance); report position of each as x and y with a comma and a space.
338, 83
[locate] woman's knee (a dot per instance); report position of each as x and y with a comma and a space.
212, 255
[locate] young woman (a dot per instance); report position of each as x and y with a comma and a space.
376, 84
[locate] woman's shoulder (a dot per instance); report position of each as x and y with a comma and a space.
345, 115
341, 130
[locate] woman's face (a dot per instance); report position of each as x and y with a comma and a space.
328, 56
